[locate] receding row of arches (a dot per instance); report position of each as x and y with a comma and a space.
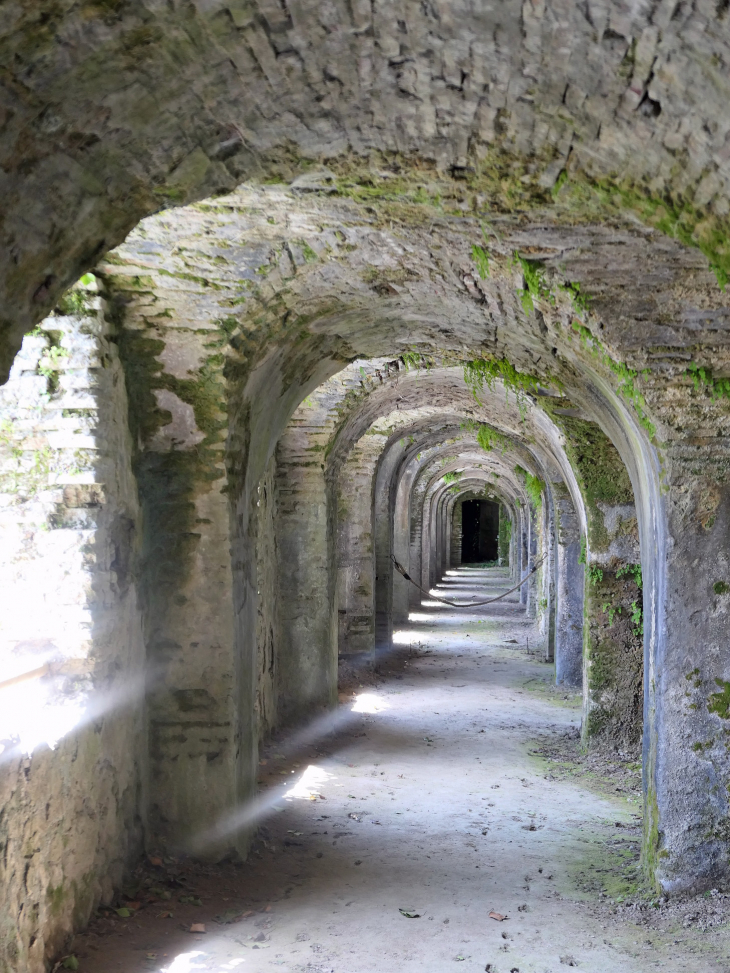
256, 403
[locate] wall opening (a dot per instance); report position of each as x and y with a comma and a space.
480, 531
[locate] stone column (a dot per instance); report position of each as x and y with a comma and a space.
306, 677
384, 530
570, 585
688, 688
402, 548
524, 543
456, 533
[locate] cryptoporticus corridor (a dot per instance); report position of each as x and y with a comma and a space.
290, 292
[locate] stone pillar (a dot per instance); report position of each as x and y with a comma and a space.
306, 677
201, 682
355, 553
384, 531
688, 690
402, 549
524, 542
570, 586
456, 535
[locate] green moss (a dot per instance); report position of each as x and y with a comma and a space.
631, 571
536, 284
627, 377
721, 587
534, 486
196, 279
599, 469
73, 302
613, 650
651, 850
481, 259
720, 702
484, 373
671, 214
702, 378
414, 359
504, 536
487, 437
595, 575
56, 897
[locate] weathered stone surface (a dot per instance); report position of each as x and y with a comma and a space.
73, 754
111, 112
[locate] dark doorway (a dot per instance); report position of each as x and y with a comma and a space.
479, 531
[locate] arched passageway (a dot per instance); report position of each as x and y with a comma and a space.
291, 293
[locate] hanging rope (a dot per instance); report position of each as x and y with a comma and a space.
456, 604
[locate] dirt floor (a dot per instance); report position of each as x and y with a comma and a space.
452, 787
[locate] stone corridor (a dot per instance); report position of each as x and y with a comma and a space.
427, 797
299, 297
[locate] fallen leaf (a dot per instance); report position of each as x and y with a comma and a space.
197, 927
154, 861
124, 913
189, 900
70, 963
134, 906
165, 915
409, 913
498, 916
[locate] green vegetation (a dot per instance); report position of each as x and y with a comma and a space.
481, 259
720, 702
309, 254
702, 378
637, 618
627, 377
599, 469
487, 437
632, 571
613, 611
417, 360
73, 302
721, 587
536, 284
484, 373
534, 486
669, 214
453, 477
504, 536
595, 575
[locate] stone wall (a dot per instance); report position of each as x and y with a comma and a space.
73, 757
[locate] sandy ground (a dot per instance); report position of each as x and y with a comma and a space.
445, 792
